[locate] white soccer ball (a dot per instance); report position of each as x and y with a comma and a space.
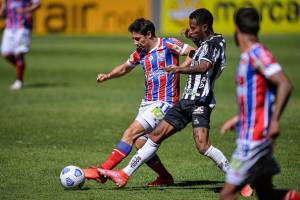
72, 177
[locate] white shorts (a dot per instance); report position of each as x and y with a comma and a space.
15, 41
248, 165
151, 113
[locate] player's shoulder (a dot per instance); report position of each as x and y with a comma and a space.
215, 40
259, 50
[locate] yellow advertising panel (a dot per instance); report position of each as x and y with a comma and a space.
88, 16
278, 16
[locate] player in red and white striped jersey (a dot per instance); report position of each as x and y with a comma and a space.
263, 90
161, 93
16, 36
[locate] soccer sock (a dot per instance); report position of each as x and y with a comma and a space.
292, 195
156, 165
141, 156
20, 68
117, 155
218, 157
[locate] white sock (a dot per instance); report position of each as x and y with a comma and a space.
218, 157
142, 155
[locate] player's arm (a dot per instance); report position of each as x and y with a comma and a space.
33, 7
283, 92
202, 67
118, 71
230, 124
189, 52
2, 8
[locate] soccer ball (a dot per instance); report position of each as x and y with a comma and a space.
72, 177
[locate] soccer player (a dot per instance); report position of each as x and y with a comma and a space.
263, 90
16, 36
196, 103
161, 93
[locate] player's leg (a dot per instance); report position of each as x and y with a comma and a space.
8, 47
22, 43
200, 123
164, 177
161, 132
122, 150
229, 192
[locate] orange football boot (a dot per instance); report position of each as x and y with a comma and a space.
93, 173
246, 191
118, 177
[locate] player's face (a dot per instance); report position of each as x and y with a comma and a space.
140, 41
197, 31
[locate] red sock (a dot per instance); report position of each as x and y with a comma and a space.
20, 67
157, 166
114, 159
292, 195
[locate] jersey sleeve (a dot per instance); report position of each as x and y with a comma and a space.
176, 46
263, 60
209, 52
134, 59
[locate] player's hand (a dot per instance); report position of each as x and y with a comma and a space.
273, 130
171, 68
229, 125
186, 33
102, 77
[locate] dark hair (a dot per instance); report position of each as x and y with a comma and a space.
247, 20
142, 26
203, 16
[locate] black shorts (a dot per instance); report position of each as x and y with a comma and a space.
186, 111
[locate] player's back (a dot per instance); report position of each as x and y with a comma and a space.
255, 95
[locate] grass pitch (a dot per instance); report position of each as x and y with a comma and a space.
63, 117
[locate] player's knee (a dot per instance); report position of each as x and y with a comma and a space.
139, 143
129, 136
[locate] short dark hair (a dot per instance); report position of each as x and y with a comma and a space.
203, 16
247, 20
142, 26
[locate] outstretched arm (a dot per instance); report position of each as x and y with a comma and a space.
118, 71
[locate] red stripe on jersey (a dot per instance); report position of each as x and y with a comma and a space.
175, 88
162, 88
11, 13
148, 66
259, 118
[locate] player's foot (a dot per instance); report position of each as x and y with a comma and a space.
118, 177
17, 85
162, 181
246, 191
93, 173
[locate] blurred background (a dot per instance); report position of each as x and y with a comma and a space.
169, 16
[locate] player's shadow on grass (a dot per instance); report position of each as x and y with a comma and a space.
190, 185
44, 85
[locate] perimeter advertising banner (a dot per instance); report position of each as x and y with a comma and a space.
88, 16
278, 16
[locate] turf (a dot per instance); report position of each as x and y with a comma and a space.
62, 117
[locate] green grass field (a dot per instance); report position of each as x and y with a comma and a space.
63, 117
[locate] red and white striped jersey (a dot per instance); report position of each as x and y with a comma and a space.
16, 20
255, 95
159, 85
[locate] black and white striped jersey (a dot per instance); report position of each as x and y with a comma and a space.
199, 87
